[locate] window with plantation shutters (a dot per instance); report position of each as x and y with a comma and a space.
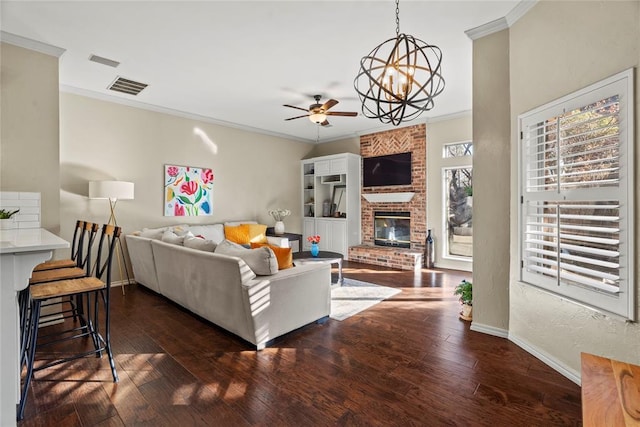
576, 212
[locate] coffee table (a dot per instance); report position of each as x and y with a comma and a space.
324, 256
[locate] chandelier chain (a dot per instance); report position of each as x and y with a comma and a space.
397, 17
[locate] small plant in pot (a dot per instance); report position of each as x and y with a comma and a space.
4, 214
465, 291
6, 219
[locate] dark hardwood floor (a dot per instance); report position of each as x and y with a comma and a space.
406, 361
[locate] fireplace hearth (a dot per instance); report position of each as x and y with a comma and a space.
392, 229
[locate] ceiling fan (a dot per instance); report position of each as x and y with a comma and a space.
318, 113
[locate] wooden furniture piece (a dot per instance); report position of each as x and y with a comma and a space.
93, 291
293, 237
82, 259
78, 234
610, 392
324, 256
20, 251
328, 181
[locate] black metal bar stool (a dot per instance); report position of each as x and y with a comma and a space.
95, 292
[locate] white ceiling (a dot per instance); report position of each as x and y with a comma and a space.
239, 61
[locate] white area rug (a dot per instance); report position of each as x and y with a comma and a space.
355, 296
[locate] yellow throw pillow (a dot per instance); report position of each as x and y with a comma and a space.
237, 234
257, 233
283, 255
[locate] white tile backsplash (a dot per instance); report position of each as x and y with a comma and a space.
29, 205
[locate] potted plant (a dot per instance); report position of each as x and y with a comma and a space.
465, 291
6, 219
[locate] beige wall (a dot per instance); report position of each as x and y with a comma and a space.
348, 145
103, 140
491, 183
555, 49
29, 159
439, 133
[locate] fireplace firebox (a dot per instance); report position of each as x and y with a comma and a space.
392, 229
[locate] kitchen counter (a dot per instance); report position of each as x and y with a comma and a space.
20, 251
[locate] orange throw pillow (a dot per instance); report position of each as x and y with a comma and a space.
237, 234
257, 233
283, 255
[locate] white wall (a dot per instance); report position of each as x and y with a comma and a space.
439, 133
103, 140
555, 49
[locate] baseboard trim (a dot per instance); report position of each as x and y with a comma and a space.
547, 359
489, 330
122, 282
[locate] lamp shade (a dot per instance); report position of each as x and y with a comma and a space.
113, 190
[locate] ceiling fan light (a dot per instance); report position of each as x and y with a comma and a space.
317, 117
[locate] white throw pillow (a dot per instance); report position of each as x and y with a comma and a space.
152, 233
199, 244
213, 232
171, 237
262, 260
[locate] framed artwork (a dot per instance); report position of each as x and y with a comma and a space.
188, 191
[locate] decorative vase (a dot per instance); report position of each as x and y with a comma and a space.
315, 249
8, 224
279, 227
466, 313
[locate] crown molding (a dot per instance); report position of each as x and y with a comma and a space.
488, 28
502, 23
519, 11
30, 44
157, 109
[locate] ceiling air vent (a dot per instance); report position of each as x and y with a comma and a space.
104, 61
127, 86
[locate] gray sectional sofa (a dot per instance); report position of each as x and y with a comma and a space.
225, 290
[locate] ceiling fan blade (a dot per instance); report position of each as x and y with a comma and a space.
298, 117
325, 123
341, 113
330, 103
293, 106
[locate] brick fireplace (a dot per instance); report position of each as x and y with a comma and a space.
395, 199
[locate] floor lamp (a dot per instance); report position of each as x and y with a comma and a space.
114, 191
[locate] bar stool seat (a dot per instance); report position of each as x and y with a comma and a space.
39, 277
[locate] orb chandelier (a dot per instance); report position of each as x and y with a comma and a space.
398, 80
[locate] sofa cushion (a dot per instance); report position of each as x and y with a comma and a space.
199, 243
152, 233
257, 233
214, 232
237, 233
171, 237
283, 255
262, 260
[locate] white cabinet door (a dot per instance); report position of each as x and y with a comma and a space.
333, 235
338, 166
338, 235
323, 229
308, 229
323, 168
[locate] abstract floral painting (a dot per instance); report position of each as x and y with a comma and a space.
187, 191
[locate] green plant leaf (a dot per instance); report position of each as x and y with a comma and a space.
185, 200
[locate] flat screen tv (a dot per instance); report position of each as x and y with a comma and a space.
393, 169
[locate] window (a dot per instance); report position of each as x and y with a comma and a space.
576, 213
458, 197
458, 149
